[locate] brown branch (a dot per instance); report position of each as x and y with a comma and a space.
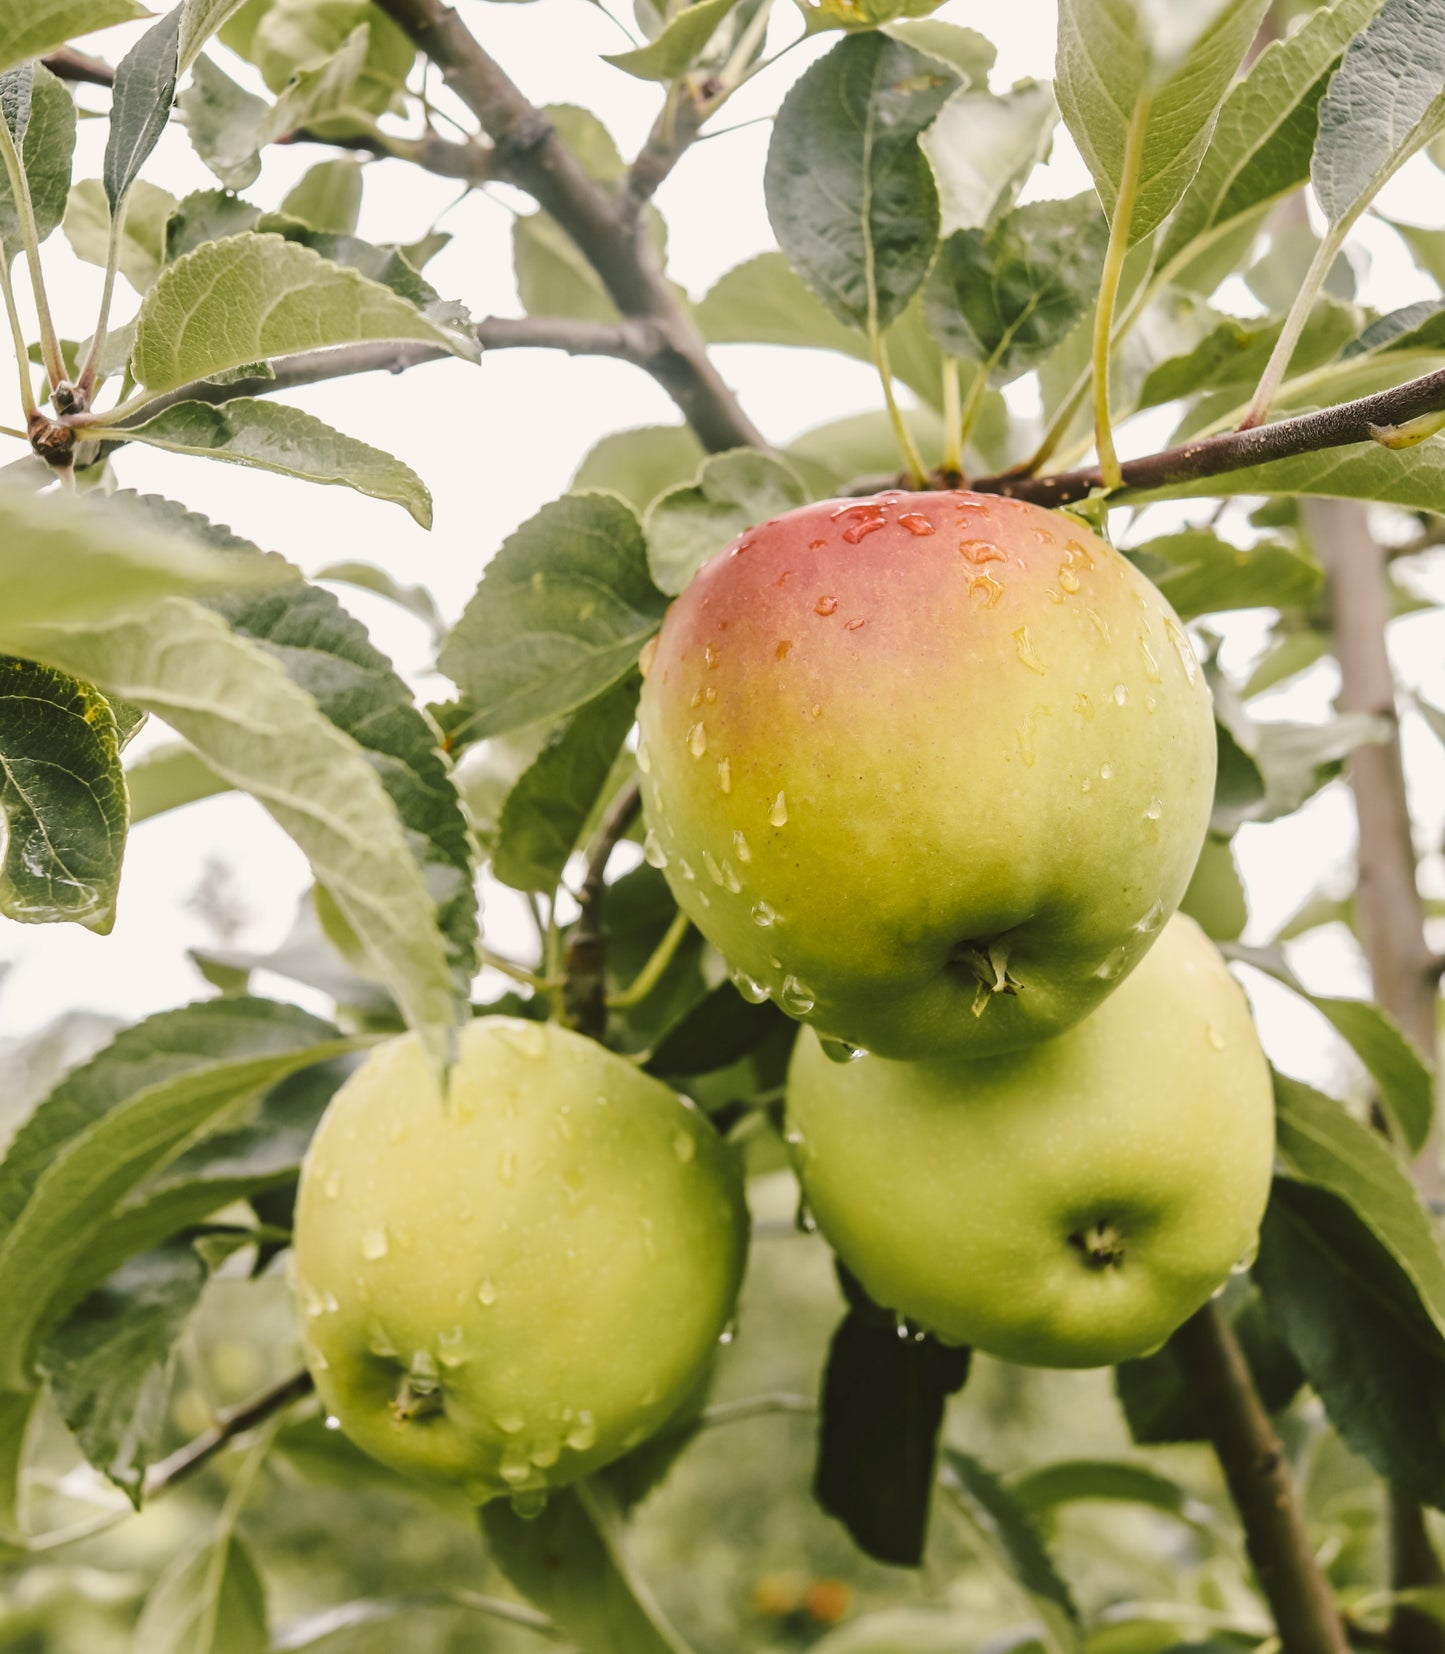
1392, 915
531, 154
1254, 1466
227, 1427
71, 65
1336, 427
584, 967
673, 132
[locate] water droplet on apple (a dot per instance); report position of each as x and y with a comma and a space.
979, 552
1216, 1039
449, 1348
373, 1244
644, 758
527, 1039
684, 1146
1101, 626
714, 872
510, 1422
697, 740
647, 655
487, 1294
1068, 579
709, 654
1155, 810
796, 998
729, 1332
1247, 1258
332, 1422
507, 1169
583, 1433
1184, 649
731, 882
764, 914
1151, 666
1112, 965
725, 775
826, 606
839, 1050
749, 987
331, 1185
528, 1503
652, 852
1152, 920
778, 815
1106, 772
740, 844
546, 1452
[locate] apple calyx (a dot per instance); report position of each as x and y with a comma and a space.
1101, 1244
988, 965
418, 1396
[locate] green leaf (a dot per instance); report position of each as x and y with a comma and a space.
1404, 1081
1215, 897
109, 1124
224, 123
109, 1362
1384, 102
1265, 135
983, 146
143, 235
1004, 298
290, 39
1118, 62
1113, 1481
719, 1029
46, 152
206, 215
553, 278
61, 797
168, 777
569, 1561
209, 1601
140, 105
234, 701
30, 28
639, 464
333, 90
252, 297
589, 140
328, 197
1355, 1323
545, 812
1202, 574
17, 1409
1013, 1542
966, 50
821, 15
1321, 1144
68, 562
274, 437
199, 21
861, 445
680, 44
560, 615
416, 600
732, 492
850, 195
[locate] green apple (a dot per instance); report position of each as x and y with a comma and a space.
1065, 1206
515, 1286
930, 769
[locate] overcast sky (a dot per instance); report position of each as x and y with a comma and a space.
496, 443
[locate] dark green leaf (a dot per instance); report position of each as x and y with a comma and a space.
850, 195
140, 106
716, 1031
61, 797
1202, 574
46, 153
1355, 1323
1006, 297
559, 616
206, 215
551, 802
109, 1362
640, 464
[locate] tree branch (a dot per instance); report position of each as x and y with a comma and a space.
1254, 1466
584, 967
226, 1428
1392, 915
674, 130
531, 154
1337, 427
71, 65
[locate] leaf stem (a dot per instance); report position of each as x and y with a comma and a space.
85, 385
226, 1428
1325, 255
584, 967
1118, 251
651, 973
30, 239
517, 973
601, 1509
912, 459
17, 334
952, 418
739, 61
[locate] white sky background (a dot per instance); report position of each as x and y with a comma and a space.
495, 444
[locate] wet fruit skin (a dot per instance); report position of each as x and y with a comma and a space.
893, 748
1065, 1206
513, 1288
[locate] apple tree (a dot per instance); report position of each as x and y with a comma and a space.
884, 809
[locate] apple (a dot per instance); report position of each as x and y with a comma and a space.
515, 1286
1065, 1206
931, 770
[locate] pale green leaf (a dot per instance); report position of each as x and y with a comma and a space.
416, 600
143, 235
47, 149
199, 21
641, 463
274, 437
224, 123
982, 147
680, 44
206, 215
553, 278
732, 492
334, 90
328, 197
62, 801
252, 297
30, 28
1202, 574
167, 777
209, 1601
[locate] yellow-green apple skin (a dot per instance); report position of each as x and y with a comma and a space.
1065, 1206
513, 1287
897, 753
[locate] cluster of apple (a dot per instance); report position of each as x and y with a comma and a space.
933, 772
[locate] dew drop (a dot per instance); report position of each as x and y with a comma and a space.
986, 584
764, 914
795, 998
854, 625
373, 1244
731, 882
725, 775
1155, 810
487, 1294
1121, 694
740, 844
644, 758
1216, 1039
510, 1423
714, 872
1025, 648
1184, 649
826, 606
449, 1348
696, 700
515, 1469
816, 545
778, 815
647, 656
684, 1146
709, 654
528, 1503
331, 1185
749, 987
1151, 703
1152, 920
546, 1452
652, 852
784, 648
1111, 966
1151, 666
396, 1131
1247, 1258
583, 1433
916, 523
697, 740
685, 868
710, 695
981, 551
1106, 772
1068, 579
839, 1050
332, 1422
1101, 626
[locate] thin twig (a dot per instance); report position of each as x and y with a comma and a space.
584, 966
227, 1427
1254, 1465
